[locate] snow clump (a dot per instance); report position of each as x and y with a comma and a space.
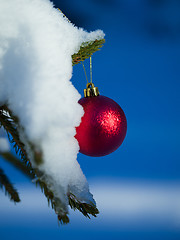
36, 47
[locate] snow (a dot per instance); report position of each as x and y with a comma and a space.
4, 144
36, 45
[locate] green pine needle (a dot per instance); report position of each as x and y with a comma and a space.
86, 50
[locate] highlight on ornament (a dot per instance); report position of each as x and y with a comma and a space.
103, 126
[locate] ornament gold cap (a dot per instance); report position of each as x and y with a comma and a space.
91, 90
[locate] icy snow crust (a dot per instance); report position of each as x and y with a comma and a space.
36, 45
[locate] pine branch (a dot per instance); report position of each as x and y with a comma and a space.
27, 171
8, 187
10, 124
84, 208
55, 202
34, 175
86, 51
74, 203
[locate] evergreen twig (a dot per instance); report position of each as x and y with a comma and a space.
86, 50
10, 125
35, 176
62, 218
84, 208
75, 204
8, 187
27, 171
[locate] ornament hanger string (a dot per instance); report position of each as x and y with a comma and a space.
81, 59
90, 71
85, 72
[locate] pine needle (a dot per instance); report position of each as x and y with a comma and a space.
8, 187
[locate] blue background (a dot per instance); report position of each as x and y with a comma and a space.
138, 67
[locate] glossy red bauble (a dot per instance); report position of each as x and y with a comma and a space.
103, 126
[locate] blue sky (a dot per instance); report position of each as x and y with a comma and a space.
138, 67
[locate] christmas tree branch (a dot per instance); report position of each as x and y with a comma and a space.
74, 203
27, 171
86, 50
10, 124
84, 208
8, 187
34, 175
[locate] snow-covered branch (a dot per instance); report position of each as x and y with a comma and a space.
38, 47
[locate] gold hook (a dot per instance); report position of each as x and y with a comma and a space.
91, 90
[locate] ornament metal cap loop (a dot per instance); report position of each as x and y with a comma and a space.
91, 90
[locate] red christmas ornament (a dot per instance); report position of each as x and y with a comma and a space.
103, 126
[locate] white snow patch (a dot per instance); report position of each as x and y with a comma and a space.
4, 143
36, 45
